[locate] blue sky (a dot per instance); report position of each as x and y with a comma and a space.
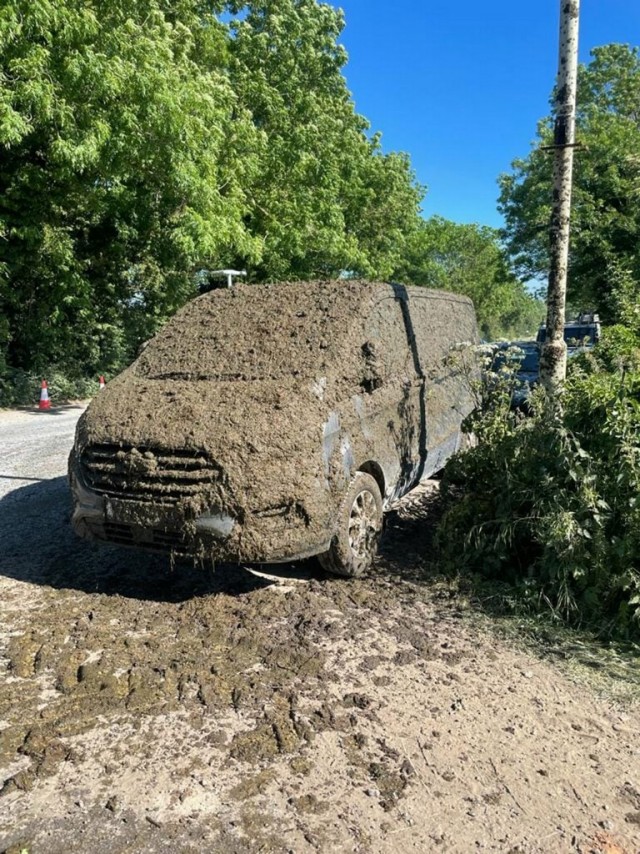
461, 85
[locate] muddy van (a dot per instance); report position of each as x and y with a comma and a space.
270, 423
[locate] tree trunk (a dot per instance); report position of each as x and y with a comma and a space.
553, 361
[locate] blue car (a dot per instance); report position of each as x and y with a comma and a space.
524, 358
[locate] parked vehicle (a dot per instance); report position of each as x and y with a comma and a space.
274, 422
527, 374
578, 334
523, 358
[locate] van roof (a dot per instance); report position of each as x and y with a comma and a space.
301, 328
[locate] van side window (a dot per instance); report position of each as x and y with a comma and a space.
385, 353
440, 323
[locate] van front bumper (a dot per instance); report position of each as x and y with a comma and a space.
275, 536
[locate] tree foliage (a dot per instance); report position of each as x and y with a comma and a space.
143, 142
324, 198
117, 176
547, 505
469, 259
605, 230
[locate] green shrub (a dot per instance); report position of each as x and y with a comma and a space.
551, 502
22, 388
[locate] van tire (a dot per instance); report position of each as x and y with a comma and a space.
359, 526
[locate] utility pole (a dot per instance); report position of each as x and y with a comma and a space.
553, 360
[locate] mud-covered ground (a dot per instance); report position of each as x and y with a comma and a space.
150, 707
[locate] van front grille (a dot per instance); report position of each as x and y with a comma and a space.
147, 474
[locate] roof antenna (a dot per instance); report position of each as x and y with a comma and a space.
229, 275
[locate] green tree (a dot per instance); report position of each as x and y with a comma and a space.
121, 171
605, 230
324, 198
382, 210
469, 259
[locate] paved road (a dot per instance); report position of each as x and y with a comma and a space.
37, 544
35, 445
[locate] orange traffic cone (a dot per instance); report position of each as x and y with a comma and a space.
45, 403
102, 382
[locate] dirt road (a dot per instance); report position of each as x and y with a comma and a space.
151, 708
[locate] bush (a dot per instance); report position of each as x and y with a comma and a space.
22, 388
551, 502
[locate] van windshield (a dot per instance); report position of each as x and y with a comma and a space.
579, 334
251, 333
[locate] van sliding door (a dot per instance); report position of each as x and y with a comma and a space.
443, 324
391, 413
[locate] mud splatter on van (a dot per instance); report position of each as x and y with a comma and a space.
238, 431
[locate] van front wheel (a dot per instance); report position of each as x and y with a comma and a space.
359, 527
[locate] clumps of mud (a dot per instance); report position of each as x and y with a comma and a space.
263, 660
245, 380
252, 405
283, 730
263, 332
259, 655
254, 652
